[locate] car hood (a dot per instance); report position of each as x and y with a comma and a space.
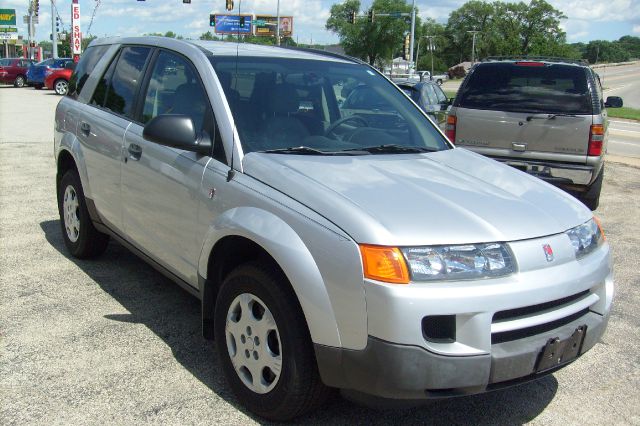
447, 197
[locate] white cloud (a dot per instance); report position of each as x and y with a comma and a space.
636, 29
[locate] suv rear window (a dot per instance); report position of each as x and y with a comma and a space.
526, 88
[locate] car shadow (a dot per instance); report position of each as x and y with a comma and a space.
174, 316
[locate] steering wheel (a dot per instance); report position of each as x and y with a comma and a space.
341, 121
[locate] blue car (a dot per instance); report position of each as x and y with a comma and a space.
37, 73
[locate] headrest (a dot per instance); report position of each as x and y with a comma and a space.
283, 99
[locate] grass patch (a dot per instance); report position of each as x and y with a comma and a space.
624, 112
450, 93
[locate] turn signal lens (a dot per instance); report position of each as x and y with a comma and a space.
604, 237
384, 264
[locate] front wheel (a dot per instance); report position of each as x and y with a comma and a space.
264, 346
82, 239
61, 86
38, 86
20, 81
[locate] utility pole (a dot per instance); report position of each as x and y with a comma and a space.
473, 46
413, 29
54, 33
278, 24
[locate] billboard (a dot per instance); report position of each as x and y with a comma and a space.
268, 25
231, 24
7, 16
76, 33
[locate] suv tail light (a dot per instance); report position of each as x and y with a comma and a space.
596, 138
450, 129
530, 64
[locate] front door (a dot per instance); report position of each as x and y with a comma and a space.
161, 186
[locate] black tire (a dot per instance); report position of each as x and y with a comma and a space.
20, 81
591, 198
299, 388
89, 241
38, 86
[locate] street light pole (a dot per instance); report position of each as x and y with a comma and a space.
473, 46
54, 33
413, 29
278, 24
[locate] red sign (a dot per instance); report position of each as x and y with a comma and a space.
76, 33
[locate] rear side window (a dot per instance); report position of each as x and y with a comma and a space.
5, 62
527, 88
87, 63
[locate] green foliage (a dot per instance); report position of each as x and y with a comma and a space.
631, 44
370, 41
208, 36
606, 51
624, 112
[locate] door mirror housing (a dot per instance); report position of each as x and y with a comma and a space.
176, 131
613, 102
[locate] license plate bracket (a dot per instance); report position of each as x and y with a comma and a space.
558, 352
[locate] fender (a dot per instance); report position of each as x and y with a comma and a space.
70, 143
292, 255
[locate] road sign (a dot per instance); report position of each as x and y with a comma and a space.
268, 26
8, 29
258, 22
76, 33
231, 24
8, 36
7, 17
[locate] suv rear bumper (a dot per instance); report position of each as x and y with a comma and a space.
393, 371
555, 173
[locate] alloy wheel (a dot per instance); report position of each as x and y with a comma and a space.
71, 209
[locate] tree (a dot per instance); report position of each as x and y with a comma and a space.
631, 44
369, 41
208, 36
441, 42
606, 51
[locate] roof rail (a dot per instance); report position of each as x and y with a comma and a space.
324, 53
535, 58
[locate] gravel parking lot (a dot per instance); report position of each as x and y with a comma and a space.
113, 341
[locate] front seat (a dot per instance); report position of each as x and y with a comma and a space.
281, 126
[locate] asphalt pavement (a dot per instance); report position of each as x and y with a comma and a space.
111, 341
623, 81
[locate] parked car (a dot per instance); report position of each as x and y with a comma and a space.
332, 243
437, 78
546, 117
37, 73
58, 79
430, 97
14, 71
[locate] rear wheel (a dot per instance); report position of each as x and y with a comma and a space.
591, 198
38, 86
20, 81
61, 86
82, 239
264, 346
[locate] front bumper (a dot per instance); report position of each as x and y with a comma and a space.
393, 371
459, 337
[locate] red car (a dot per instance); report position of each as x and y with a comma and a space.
58, 80
14, 71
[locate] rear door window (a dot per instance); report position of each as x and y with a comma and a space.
126, 79
531, 87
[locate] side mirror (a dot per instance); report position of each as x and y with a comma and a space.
451, 101
70, 66
176, 131
613, 102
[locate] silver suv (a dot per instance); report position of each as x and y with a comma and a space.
331, 247
546, 117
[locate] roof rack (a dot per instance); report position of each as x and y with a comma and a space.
324, 53
536, 58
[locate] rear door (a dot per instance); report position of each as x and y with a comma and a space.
507, 109
101, 127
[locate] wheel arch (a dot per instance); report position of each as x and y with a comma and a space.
248, 233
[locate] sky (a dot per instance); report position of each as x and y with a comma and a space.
586, 19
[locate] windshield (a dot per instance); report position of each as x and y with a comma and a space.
537, 89
280, 103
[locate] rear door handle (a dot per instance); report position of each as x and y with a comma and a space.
135, 151
85, 128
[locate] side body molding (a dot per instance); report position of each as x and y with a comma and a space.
290, 252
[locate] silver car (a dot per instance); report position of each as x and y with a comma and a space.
330, 247
544, 116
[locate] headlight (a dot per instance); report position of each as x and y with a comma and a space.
586, 238
459, 262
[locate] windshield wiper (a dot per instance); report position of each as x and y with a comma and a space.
543, 116
394, 149
305, 150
